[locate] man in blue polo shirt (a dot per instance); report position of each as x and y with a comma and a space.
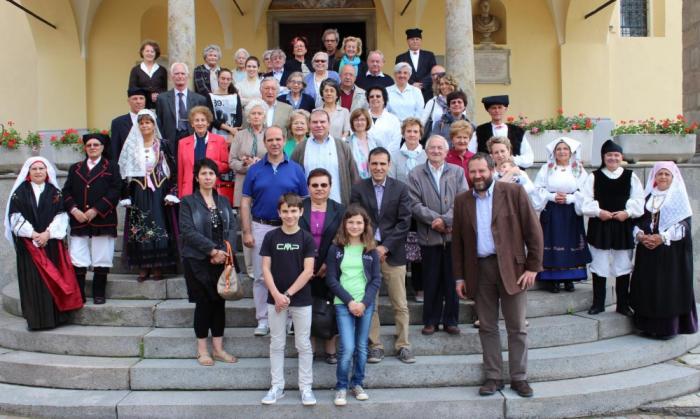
265, 182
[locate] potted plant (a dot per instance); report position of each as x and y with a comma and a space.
67, 149
543, 131
15, 150
652, 139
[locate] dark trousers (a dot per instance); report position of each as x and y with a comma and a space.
440, 297
209, 315
416, 275
490, 291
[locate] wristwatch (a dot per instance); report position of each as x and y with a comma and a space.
286, 294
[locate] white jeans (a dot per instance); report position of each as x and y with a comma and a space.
95, 251
301, 316
611, 263
259, 288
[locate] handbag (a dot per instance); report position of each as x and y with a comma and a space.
229, 285
428, 128
323, 324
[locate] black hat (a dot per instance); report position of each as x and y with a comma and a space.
103, 138
489, 101
133, 91
414, 33
609, 147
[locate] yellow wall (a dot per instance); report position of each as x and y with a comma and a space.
595, 71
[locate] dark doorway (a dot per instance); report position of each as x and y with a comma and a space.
313, 32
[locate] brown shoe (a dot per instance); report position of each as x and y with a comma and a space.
452, 330
522, 388
428, 330
490, 387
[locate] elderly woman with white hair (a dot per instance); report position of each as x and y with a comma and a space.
206, 75
320, 73
36, 222
405, 100
240, 57
248, 146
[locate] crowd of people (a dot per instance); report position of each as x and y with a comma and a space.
340, 177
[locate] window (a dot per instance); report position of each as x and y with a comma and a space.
634, 18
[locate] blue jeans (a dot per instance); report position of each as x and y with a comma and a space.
354, 332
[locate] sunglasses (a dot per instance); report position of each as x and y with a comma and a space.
434, 75
320, 61
319, 185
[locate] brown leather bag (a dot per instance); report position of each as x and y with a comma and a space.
229, 285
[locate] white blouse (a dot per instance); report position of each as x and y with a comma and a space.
634, 205
549, 182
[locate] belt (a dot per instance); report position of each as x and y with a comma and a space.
275, 223
486, 257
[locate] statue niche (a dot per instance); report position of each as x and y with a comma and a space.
489, 23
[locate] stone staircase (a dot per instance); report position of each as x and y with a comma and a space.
134, 357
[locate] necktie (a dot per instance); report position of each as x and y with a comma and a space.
379, 194
181, 113
200, 148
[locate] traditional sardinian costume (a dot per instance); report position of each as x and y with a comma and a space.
565, 249
150, 227
662, 282
611, 242
47, 285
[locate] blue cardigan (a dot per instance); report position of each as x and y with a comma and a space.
371, 263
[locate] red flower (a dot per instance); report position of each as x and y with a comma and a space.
680, 117
105, 132
510, 119
580, 114
560, 111
5, 134
54, 138
574, 126
589, 124
666, 123
623, 122
11, 143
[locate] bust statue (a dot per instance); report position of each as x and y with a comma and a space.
485, 23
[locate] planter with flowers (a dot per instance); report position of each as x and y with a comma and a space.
543, 131
653, 140
67, 149
15, 149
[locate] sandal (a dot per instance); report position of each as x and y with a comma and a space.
331, 359
225, 357
205, 360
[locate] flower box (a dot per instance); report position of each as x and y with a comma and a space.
539, 141
12, 160
63, 157
654, 147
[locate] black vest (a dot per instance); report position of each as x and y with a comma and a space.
484, 132
612, 195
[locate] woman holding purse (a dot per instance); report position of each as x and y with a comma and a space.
206, 223
353, 277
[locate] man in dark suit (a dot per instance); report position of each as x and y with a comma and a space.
493, 224
173, 107
421, 62
388, 203
374, 76
121, 125
278, 70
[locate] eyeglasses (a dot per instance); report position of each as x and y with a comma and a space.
436, 75
295, 82
93, 145
320, 61
375, 96
319, 185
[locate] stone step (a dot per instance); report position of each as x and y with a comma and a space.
545, 364
542, 332
595, 395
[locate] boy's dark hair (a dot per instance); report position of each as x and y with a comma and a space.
291, 199
379, 150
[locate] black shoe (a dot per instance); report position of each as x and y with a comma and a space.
569, 286
625, 311
554, 289
98, 300
375, 356
595, 310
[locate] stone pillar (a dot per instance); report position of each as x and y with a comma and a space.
459, 48
691, 62
181, 33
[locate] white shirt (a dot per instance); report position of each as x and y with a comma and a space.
213, 78
270, 116
408, 103
154, 68
91, 164
324, 155
526, 157
177, 104
634, 205
134, 121
558, 179
436, 173
386, 131
415, 55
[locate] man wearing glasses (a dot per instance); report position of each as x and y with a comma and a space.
330, 39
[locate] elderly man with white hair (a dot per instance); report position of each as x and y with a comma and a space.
278, 112
374, 76
206, 75
173, 106
433, 187
405, 100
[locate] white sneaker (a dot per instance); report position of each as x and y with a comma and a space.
307, 397
360, 393
272, 396
262, 330
340, 398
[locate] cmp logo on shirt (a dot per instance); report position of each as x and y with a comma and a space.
287, 246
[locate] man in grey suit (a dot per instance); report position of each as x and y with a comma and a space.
173, 106
388, 204
278, 112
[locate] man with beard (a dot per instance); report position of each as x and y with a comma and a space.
493, 225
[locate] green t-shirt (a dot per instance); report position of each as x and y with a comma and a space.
352, 273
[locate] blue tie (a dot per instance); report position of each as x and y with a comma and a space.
200, 148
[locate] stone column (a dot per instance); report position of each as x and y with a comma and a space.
181, 33
691, 62
459, 48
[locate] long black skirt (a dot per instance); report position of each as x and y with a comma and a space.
149, 231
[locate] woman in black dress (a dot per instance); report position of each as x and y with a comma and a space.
36, 223
148, 75
206, 222
150, 227
662, 281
